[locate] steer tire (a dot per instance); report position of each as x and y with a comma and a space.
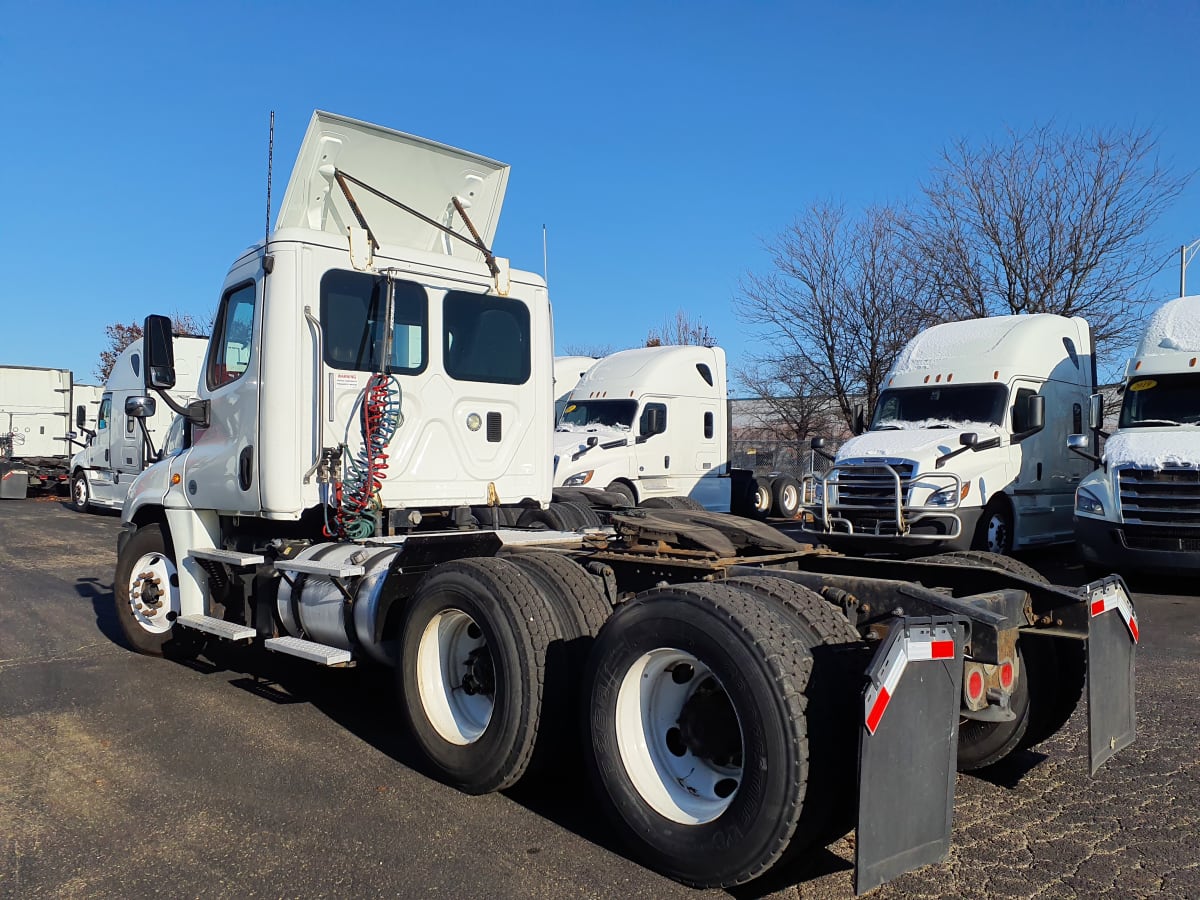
622, 488
549, 519
834, 692
514, 621
749, 656
149, 551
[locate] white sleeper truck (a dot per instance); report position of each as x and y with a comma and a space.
1140, 510
966, 448
652, 425
374, 415
119, 445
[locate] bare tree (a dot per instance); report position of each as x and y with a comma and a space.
595, 351
837, 308
1046, 221
120, 335
680, 329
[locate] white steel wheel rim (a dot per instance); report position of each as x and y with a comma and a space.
791, 498
762, 499
682, 787
443, 655
153, 592
81, 490
997, 533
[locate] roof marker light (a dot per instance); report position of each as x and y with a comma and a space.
939, 377
949, 378
996, 375
926, 379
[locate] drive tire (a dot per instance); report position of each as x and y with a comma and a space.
549, 519
150, 552
785, 497
688, 503
514, 623
760, 497
693, 832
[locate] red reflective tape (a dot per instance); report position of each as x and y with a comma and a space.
1133, 629
942, 650
1097, 607
876, 713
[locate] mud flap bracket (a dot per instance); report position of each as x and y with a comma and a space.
1112, 639
908, 748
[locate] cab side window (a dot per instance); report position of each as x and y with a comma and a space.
105, 414
229, 354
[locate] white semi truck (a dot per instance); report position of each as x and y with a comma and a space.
118, 446
35, 428
967, 445
652, 425
1140, 509
376, 404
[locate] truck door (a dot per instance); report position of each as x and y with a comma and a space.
222, 467
1044, 492
654, 445
128, 451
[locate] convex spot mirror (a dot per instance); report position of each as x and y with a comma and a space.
139, 407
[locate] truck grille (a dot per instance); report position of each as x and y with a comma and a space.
1168, 496
871, 487
1172, 540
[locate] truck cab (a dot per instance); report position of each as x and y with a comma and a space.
964, 449
1140, 509
117, 448
649, 422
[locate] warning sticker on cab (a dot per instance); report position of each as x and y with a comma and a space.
1144, 385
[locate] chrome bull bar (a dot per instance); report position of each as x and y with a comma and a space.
816, 491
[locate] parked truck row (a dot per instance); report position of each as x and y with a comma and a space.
374, 420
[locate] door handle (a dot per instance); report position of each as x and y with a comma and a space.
246, 468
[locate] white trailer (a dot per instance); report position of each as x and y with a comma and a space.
119, 445
1140, 510
88, 396
35, 428
376, 403
567, 372
966, 448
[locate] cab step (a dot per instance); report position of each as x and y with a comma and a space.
329, 570
233, 558
322, 654
230, 631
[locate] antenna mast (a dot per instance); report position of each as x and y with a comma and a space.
270, 161
545, 270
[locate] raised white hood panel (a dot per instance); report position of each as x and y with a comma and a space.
421, 174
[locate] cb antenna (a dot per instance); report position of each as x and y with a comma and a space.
545, 260
270, 161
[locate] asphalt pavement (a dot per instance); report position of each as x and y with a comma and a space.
249, 775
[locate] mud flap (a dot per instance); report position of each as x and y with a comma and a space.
908, 749
1112, 638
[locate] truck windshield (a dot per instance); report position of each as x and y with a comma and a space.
939, 407
1151, 400
612, 413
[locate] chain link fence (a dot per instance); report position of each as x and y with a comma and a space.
763, 457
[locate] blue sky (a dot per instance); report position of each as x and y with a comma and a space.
659, 143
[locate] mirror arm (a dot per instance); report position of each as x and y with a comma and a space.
1027, 433
1091, 457
146, 438
946, 457
989, 444
195, 412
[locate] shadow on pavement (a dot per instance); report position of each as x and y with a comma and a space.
101, 597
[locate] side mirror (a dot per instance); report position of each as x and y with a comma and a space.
817, 443
159, 349
139, 407
1037, 412
1096, 411
860, 420
80, 417
968, 439
592, 440
1077, 441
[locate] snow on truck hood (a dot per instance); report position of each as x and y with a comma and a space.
570, 439
913, 440
419, 173
1154, 447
